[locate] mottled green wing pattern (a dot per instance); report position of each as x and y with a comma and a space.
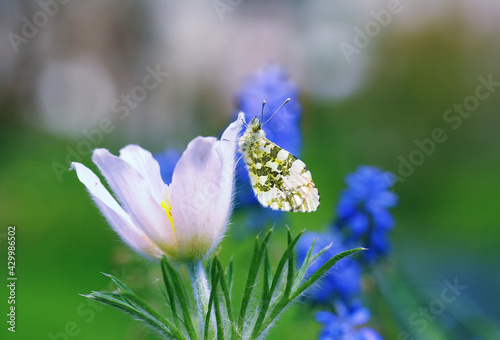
280, 180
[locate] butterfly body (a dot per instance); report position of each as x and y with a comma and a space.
280, 180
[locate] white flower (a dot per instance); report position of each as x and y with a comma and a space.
184, 220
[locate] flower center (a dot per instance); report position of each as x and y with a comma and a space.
168, 210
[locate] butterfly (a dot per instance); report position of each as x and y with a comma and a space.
280, 180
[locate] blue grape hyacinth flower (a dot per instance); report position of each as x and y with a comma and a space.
345, 324
342, 282
273, 85
363, 211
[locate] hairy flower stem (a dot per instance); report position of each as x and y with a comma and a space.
201, 291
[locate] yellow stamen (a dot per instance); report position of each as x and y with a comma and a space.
168, 211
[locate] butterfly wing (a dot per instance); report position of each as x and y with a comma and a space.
280, 180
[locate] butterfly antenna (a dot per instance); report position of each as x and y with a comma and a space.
286, 101
262, 111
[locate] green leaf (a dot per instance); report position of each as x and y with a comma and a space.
268, 269
109, 298
142, 306
307, 261
207, 270
249, 285
180, 291
283, 261
133, 305
170, 292
284, 299
252, 275
230, 275
276, 309
215, 274
291, 266
323, 269
227, 294
214, 301
209, 312
118, 283
267, 273
266, 296
163, 295
303, 268
321, 252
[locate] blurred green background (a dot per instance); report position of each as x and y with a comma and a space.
65, 79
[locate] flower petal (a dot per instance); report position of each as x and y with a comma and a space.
134, 192
202, 185
232, 131
119, 220
226, 148
325, 317
366, 333
195, 188
360, 316
143, 161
